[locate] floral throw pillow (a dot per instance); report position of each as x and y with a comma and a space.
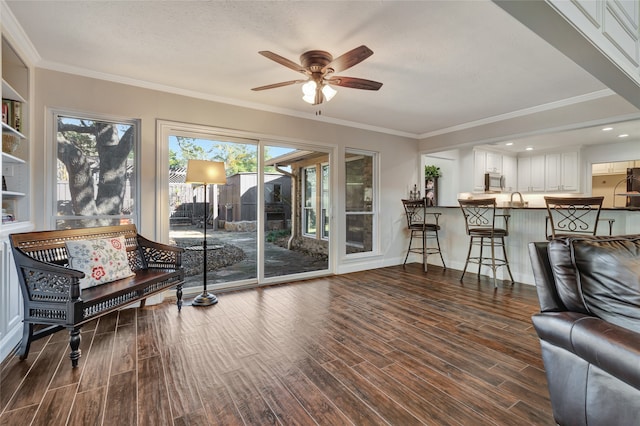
102, 260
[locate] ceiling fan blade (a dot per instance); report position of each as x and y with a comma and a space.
283, 61
354, 83
284, 83
349, 59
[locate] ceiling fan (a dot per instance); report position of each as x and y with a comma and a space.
319, 67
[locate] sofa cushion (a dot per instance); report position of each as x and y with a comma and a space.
564, 274
599, 276
101, 260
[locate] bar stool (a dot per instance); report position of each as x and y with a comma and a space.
417, 213
480, 222
573, 216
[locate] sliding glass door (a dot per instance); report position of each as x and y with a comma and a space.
296, 205
270, 220
230, 210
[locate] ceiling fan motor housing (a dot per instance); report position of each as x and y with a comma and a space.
316, 60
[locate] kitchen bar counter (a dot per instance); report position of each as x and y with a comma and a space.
526, 224
505, 206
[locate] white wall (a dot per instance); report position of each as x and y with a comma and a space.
399, 159
448, 184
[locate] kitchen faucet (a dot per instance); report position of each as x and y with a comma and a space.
519, 194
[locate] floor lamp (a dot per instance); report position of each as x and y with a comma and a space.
206, 173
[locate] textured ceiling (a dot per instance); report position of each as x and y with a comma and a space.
443, 64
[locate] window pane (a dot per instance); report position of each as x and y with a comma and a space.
310, 200
229, 210
359, 233
325, 201
359, 177
95, 173
359, 202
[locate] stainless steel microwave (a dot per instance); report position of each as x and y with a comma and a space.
493, 182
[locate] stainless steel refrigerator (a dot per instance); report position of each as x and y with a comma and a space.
633, 185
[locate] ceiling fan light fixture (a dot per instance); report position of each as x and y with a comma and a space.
328, 92
309, 88
309, 92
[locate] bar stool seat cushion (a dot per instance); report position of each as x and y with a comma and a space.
484, 232
425, 227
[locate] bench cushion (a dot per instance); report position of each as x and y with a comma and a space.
599, 276
102, 260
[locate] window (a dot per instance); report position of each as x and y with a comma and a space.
309, 197
360, 201
96, 171
324, 201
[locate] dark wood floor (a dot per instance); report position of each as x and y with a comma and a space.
388, 346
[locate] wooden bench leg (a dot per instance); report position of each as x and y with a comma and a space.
27, 336
179, 296
74, 343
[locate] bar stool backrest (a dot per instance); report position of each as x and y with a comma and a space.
572, 215
415, 212
479, 214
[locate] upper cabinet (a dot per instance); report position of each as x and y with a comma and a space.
494, 162
510, 172
531, 173
485, 162
562, 171
552, 172
15, 140
615, 168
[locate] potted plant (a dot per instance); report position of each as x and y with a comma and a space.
431, 175
432, 172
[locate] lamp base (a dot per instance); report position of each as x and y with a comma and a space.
205, 299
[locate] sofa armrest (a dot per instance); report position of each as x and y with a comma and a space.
611, 348
614, 349
556, 327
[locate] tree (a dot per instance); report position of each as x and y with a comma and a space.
87, 146
237, 157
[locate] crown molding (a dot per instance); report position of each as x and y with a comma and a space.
523, 112
15, 34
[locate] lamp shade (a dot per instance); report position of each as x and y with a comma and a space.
206, 172
328, 92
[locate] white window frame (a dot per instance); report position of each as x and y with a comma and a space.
313, 197
51, 167
373, 212
325, 188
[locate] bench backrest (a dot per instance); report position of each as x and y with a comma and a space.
49, 246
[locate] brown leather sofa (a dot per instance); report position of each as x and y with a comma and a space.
589, 327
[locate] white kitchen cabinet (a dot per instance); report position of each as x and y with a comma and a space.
493, 162
510, 172
485, 162
531, 173
479, 167
562, 171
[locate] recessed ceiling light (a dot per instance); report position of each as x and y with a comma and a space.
529, 148
509, 143
624, 135
606, 129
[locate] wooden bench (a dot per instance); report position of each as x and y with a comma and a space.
53, 299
